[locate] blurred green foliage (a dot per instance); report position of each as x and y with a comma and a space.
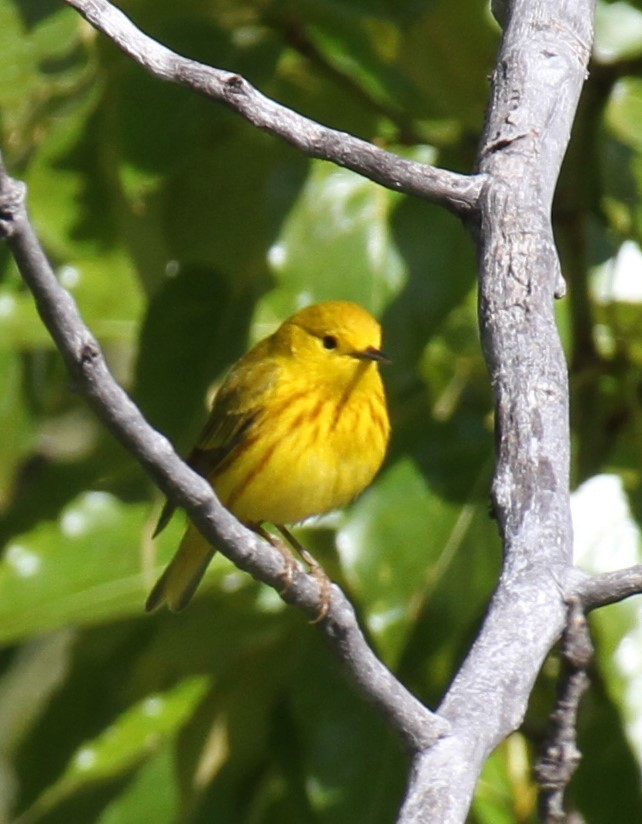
184, 235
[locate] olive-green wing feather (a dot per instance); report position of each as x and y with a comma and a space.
236, 407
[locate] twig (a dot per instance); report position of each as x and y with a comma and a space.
456, 192
416, 725
609, 588
561, 757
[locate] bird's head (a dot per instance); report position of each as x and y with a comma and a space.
333, 339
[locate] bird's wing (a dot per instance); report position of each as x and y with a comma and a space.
237, 406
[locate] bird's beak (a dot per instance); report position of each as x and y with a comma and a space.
372, 354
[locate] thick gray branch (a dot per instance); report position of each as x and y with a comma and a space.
416, 725
457, 192
535, 89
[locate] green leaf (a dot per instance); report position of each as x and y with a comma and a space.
336, 244
151, 795
439, 277
40, 65
37, 671
506, 789
390, 560
16, 423
618, 31
624, 112
83, 569
351, 768
199, 310
220, 189
430, 69
139, 731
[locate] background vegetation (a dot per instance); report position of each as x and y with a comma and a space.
185, 235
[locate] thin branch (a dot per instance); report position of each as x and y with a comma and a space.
609, 588
561, 757
416, 725
456, 192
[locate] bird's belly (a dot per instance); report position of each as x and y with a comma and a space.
306, 471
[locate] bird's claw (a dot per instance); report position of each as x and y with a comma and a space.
316, 571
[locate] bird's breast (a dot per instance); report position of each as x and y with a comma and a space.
310, 451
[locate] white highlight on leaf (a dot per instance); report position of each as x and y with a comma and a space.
153, 705
618, 31
7, 305
349, 545
607, 538
277, 255
620, 278
69, 276
25, 562
380, 621
73, 523
85, 758
172, 268
233, 582
79, 518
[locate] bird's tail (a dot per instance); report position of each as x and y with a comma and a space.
178, 583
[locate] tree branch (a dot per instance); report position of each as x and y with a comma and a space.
535, 89
416, 725
456, 192
609, 588
560, 757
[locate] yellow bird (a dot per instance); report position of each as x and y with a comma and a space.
298, 428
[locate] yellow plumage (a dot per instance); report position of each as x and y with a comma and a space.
299, 427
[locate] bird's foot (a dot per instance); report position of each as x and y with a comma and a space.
288, 559
315, 570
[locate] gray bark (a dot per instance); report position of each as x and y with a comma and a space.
535, 90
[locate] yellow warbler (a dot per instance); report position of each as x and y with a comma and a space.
299, 427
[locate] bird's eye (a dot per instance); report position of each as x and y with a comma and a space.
330, 342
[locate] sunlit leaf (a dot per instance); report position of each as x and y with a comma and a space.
618, 29
82, 569
336, 244
152, 794
137, 733
392, 549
